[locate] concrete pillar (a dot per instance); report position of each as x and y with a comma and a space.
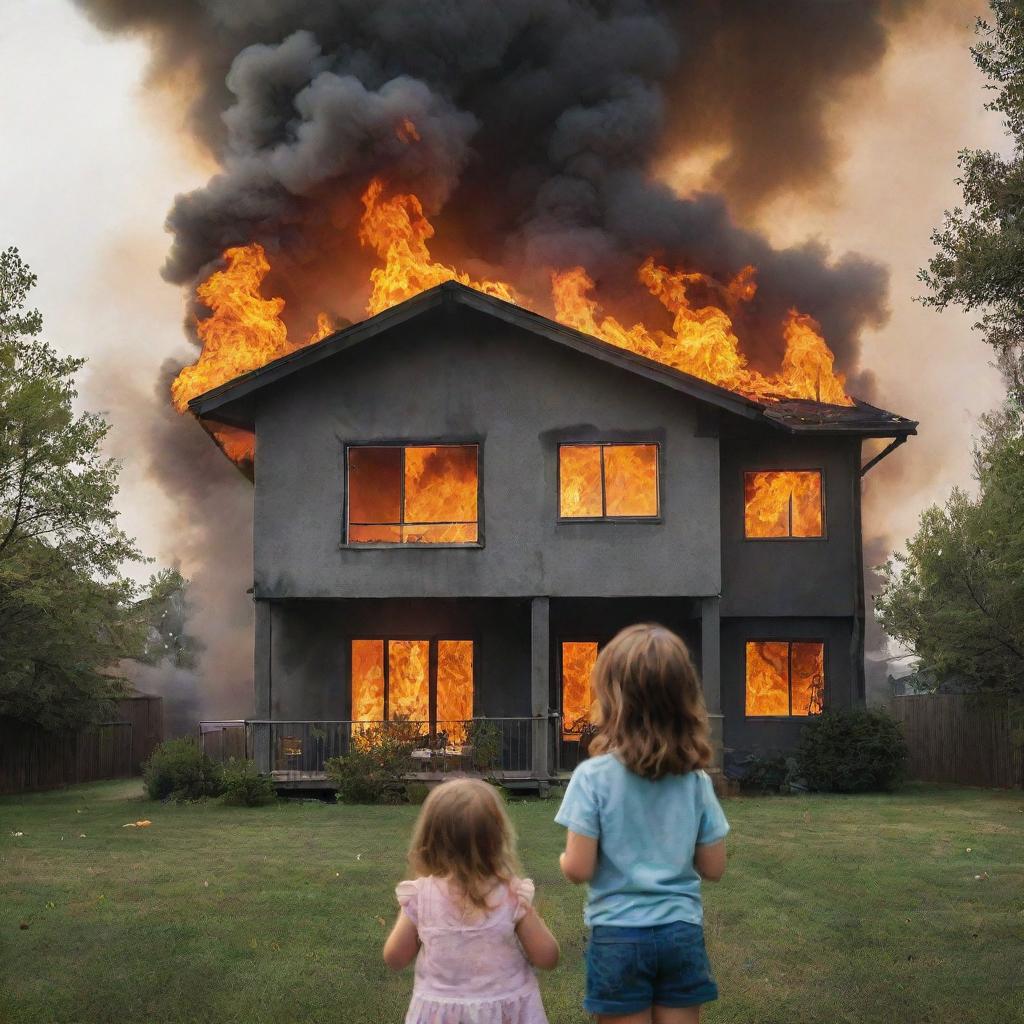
540, 691
711, 669
258, 738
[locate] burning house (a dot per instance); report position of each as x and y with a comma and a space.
458, 501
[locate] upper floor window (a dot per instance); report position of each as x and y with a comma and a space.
413, 494
783, 503
785, 678
608, 481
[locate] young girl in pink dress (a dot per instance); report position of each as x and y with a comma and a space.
467, 919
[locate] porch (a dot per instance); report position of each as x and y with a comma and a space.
516, 751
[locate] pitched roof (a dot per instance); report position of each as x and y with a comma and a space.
226, 403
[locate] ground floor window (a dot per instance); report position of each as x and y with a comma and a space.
784, 678
426, 680
576, 664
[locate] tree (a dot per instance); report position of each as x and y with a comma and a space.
165, 611
956, 596
66, 609
979, 258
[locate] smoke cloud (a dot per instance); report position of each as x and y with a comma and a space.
530, 130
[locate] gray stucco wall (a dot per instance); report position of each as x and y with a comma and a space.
473, 379
798, 576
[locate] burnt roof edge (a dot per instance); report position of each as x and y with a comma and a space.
208, 404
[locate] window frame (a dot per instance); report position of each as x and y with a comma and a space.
789, 641
597, 443
404, 443
432, 640
788, 469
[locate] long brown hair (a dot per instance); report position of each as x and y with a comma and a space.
650, 704
464, 834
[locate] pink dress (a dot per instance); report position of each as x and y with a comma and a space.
470, 968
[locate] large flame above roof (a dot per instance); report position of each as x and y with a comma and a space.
245, 330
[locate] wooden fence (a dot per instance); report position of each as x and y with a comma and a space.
32, 758
958, 738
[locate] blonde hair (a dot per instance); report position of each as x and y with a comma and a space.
649, 708
463, 833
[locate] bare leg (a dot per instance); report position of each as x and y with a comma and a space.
643, 1017
676, 1015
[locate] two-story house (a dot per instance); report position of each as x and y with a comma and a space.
458, 501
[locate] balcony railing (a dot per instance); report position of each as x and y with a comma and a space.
302, 748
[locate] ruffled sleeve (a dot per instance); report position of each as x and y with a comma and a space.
408, 894
523, 889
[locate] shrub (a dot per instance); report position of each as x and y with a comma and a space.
484, 741
770, 773
416, 792
179, 770
854, 751
374, 769
246, 787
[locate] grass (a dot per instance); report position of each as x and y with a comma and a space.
834, 909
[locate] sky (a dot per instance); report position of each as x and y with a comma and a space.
91, 163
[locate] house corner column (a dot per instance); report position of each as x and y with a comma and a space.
711, 670
540, 692
258, 738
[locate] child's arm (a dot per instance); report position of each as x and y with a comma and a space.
539, 945
579, 861
709, 860
402, 945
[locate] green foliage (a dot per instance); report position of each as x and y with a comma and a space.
979, 258
955, 596
244, 786
484, 740
179, 770
772, 773
852, 751
164, 612
374, 769
416, 792
66, 609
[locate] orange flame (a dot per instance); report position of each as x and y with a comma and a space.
775, 668
397, 231
578, 660
245, 330
454, 687
367, 680
608, 480
783, 504
408, 679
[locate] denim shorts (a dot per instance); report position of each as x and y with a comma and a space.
631, 969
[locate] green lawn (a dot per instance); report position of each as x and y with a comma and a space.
833, 909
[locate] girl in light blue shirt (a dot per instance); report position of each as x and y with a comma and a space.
644, 827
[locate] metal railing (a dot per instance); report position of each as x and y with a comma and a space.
304, 747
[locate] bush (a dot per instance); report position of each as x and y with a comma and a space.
246, 787
484, 741
769, 773
374, 769
179, 770
855, 751
416, 792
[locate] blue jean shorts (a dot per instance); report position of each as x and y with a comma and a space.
631, 969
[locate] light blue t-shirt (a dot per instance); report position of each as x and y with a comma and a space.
646, 834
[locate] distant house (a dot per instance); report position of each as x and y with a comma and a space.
458, 501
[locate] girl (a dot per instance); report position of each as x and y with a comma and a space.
644, 829
464, 913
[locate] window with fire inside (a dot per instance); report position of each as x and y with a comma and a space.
784, 678
783, 505
603, 482
413, 494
